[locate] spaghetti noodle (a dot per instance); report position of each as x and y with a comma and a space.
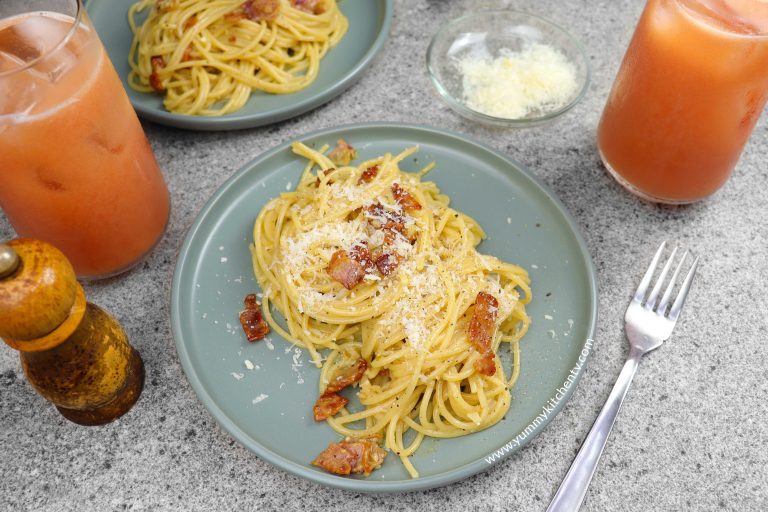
420, 324
208, 56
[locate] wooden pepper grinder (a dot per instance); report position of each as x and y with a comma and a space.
73, 352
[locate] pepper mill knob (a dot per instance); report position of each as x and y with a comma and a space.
9, 260
37, 290
73, 353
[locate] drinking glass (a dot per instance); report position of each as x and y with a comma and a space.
692, 85
76, 169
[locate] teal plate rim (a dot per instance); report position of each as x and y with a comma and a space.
243, 120
185, 259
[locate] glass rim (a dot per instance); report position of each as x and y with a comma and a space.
708, 24
79, 8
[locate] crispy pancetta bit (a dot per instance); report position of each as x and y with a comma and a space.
345, 270
251, 319
309, 6
189, 54
387, 262
388, 221
258, 10
368, 175
158, 63
358, 456
343, 153
328, 405
360, 253
191, 21
482, 325
330, 402
255, 10
381, 218
347, 376
405, 199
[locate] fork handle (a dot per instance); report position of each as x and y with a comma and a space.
570, 495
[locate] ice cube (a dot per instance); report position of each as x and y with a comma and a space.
35, 36
41, 32
15, 49
18, 98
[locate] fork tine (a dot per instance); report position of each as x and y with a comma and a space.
683, 293
640, 293
651, 302
668, 292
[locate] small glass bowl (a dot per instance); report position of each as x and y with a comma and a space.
487, 33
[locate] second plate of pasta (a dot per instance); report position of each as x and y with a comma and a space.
263, 392
170, 82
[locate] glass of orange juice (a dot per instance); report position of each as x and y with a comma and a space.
689, 92
76, 169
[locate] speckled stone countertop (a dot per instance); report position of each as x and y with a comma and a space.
692, 434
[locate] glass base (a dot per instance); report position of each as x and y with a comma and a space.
639, 193
116, 407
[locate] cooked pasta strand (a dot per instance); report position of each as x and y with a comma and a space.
411, 325
207, 57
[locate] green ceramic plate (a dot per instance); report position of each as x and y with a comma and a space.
369, 22
269, 409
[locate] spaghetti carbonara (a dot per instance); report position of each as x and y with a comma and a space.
373, 264
208, 56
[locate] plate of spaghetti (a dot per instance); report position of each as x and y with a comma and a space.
383, 307
234, 64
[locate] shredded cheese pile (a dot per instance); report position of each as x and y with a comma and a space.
537, 79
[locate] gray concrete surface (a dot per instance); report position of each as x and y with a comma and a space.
692, 434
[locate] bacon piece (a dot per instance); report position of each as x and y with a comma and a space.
481, 328
343, 153
387, 262
368, 175
191, 21
330, 402
378, 215
232, 39
254, 10
235, 16
359, 456
360, 253
325, 172
347, 376
405, 199
345, 270
189, 54
485, 365
158, 63
258, 10
310, 6
253, 323
328, 405
381, 218
391, 222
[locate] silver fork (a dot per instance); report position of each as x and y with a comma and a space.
647, 323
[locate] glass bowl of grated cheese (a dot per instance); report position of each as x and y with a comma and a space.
507, 68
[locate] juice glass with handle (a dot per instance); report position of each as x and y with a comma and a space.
691, 87
76, 169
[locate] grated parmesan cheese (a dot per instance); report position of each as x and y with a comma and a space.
260, 398
537, 79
